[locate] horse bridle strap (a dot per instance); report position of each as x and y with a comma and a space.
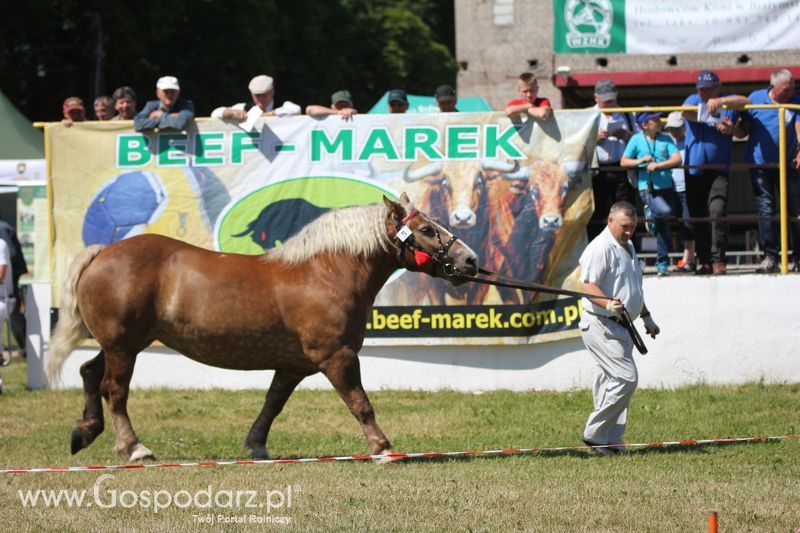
504, 281
406, 238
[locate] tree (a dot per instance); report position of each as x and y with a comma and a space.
52, 49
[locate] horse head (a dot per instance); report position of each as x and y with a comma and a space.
425, 245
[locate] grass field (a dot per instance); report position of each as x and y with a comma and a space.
754, 487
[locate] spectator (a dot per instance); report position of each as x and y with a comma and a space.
103, 108
18, 268
709, 141
675, 129
610, 184
170, 111
762, 147
610, 269
73, 111
341, 104
529, 102
654, 153
398, 101
446, 99
262, 95
124, 103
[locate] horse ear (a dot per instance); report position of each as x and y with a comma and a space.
404, 198
394, 208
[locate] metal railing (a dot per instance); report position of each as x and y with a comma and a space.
784, 212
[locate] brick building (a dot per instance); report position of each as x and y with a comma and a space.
496, 40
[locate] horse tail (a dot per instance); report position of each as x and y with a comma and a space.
70, 329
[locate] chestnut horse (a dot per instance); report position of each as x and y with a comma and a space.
298, 309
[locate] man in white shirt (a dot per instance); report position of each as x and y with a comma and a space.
610, 268
610, 184
262, 94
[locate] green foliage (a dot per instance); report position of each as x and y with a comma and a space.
50, 49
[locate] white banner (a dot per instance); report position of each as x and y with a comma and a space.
677, 26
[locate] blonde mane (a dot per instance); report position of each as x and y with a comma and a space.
358, 230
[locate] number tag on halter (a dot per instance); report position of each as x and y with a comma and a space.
404, 233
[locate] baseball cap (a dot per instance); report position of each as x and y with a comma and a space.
73, 102
398, 95
675, 120
261, 84
168, 82
605, 89
444, 92
641, 118
707, 78
341, 96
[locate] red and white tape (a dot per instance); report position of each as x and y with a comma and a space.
425, 455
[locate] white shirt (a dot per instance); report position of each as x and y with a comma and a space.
678, 176
611, 149
618, 274
288, 109
5, 259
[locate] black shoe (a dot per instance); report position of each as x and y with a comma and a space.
599, 449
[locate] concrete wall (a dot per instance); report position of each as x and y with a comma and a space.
725, 330
496, 40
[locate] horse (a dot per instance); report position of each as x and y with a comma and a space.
298, 309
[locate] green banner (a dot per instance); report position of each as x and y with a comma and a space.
589, 26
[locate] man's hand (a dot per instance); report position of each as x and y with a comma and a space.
615, 306
155, 114
602, 135
714, 105
347, 113
235, 114
652, 167
623, 134
725, 127
645, 159
650, 326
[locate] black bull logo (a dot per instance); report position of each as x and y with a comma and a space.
280, 220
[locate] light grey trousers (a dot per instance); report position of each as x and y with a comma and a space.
612, 349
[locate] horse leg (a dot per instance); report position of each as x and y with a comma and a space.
283, 384
344, 372
115, 388
91, 425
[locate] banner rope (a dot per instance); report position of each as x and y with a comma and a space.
424, 455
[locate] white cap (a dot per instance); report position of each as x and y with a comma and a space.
260, 84
675, 120
168, 82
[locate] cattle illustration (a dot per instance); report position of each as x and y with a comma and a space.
543, 187
280, 220
458, 193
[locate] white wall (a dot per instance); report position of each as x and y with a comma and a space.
720, 330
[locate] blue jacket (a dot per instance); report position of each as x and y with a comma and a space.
184, 108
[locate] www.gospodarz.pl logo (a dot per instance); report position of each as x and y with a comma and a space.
104, 496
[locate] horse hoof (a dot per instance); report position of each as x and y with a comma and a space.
257, 451
141, 453
389, 460
76, 442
